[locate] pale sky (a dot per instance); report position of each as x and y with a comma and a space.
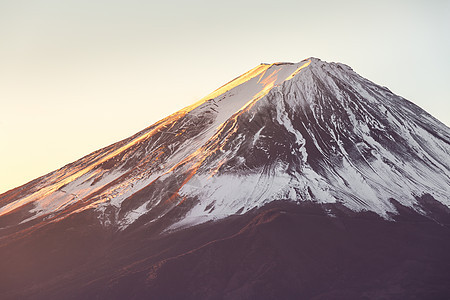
78, 75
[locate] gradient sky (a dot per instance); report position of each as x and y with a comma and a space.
78, 75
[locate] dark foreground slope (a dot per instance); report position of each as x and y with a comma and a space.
281, 251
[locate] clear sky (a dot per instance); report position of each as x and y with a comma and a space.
78, 75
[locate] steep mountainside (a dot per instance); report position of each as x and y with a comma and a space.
283, 167
311, 131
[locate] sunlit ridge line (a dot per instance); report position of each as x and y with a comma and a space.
262, 74
230, 85
269, 85
266, 89
298, 70
57, 185
268, 82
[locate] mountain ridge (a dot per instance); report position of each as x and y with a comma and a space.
296, 99
291, 181
227, 103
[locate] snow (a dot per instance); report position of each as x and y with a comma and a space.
225, 195
366, 186
360, 181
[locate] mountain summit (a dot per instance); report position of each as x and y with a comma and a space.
281, 142
311, 131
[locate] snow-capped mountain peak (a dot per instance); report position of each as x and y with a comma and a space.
308, 131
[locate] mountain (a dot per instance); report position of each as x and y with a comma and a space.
292, 181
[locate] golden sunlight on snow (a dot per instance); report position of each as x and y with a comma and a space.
299, 69
230, 85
